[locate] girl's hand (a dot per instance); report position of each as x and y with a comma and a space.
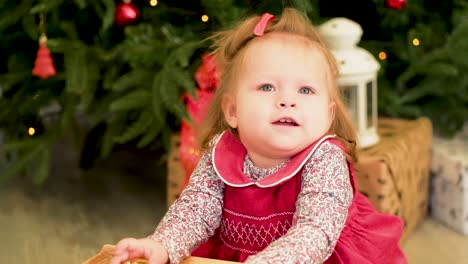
130, 249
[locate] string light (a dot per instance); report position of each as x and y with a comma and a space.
382, 55
31, 131
204, 18
194, 151
416, 42
153, 2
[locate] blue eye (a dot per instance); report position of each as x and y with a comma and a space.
306, 90
266, 88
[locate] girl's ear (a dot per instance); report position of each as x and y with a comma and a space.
228, 105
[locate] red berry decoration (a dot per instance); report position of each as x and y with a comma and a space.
395, 4
126, 14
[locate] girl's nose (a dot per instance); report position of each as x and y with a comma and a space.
286, 99
286, 104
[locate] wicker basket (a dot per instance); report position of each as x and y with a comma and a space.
176, 174
393, 174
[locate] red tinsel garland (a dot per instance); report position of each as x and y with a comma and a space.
207, 80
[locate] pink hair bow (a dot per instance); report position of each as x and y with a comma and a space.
262, 24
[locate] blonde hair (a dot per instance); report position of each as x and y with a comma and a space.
230, 43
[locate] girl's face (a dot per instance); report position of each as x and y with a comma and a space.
281, 103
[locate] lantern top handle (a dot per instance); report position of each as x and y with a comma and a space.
340, 33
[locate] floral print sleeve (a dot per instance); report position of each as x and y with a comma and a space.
194, 217
321, 211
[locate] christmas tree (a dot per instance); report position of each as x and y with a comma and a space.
124, 66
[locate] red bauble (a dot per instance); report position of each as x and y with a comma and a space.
126, 14
395, 4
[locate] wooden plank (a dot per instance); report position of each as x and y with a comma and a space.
107, 251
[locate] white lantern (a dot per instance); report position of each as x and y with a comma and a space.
357, 75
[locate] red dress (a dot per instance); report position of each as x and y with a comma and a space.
257, 213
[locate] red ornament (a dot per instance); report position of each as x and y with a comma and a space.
395, 4
126, 14
43, 66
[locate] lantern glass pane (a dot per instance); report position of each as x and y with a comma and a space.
370, 104
350, 99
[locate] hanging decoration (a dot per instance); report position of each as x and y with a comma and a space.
396, 4
207, 80
44, 65
126, 14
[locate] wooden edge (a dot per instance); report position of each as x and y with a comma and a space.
198, 260
107, 251
105, 255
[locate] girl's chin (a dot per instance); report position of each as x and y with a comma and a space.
279, 148
286, 151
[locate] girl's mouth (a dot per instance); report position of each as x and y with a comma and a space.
286, 122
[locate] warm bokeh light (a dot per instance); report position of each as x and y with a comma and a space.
31, 131
416, 42
204, 18
382, 55
153, 2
